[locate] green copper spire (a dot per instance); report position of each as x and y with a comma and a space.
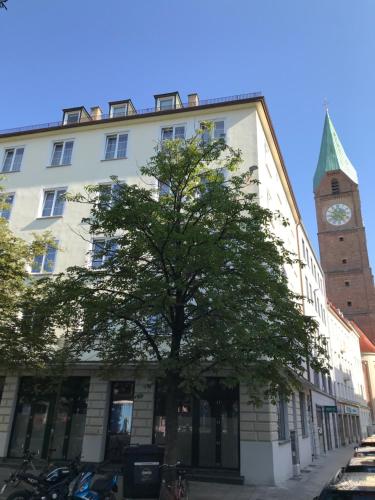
332, 156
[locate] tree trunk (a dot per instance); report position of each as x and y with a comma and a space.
171, 424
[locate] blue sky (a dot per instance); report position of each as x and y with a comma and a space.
63, 53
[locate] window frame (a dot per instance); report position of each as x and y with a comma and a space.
44, 260
56, 190
14, 149
104, 257
60, 164
113, 107
173, 127
6, 195
70, 113
111, 186
212, 131
117, 134
165, 99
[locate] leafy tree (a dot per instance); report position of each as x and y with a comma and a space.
190, 281
20, 345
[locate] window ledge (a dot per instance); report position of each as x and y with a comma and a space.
284, 441
114, 159
49, 217
57, 166
305, 436
11, 172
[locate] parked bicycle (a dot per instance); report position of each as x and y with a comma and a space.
177, 489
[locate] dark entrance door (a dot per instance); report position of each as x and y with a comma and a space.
50, 417
208, 426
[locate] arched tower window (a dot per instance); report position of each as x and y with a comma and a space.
335, 186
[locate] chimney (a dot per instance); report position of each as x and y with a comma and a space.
193, 100
96, 113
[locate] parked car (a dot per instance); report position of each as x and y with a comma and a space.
363, 451
361, 464
349, 486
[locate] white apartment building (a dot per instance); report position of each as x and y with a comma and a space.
220, 433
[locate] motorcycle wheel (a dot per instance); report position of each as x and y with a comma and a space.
19, 495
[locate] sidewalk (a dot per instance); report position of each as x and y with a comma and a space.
306, 487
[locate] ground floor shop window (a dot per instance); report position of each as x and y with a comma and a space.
208, 425
50, 417
120, 420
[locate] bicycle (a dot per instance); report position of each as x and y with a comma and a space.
176, 489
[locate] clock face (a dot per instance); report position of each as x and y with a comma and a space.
338, 214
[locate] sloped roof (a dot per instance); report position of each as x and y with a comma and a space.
332, 156
365, 343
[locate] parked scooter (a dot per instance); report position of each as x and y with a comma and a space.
51, 484
87, 487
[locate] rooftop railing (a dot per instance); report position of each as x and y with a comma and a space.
145, 111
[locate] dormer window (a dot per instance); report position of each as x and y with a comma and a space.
72, 117
164, 102
118, 110
75, 115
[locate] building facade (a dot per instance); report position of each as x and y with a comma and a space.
219, 432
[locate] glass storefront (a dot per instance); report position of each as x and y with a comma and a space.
120, 420
208, 426
50, 417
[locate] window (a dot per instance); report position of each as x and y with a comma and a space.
108, 194
13, 159
349, 303
118, 110
217, 132
335, 186
344, 261
116, 146
324, 382
303, 413
307, 287
316, 379
347, 283
53, 202
169, 133
102, 251
45, 263
62, 153
303, 249
307, 257
329, 384
164, 189
166, 103
282, 419
6, 209
72, 117
341, 238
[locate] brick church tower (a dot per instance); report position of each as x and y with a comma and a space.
342, 238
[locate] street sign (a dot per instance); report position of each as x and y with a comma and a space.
330, 409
